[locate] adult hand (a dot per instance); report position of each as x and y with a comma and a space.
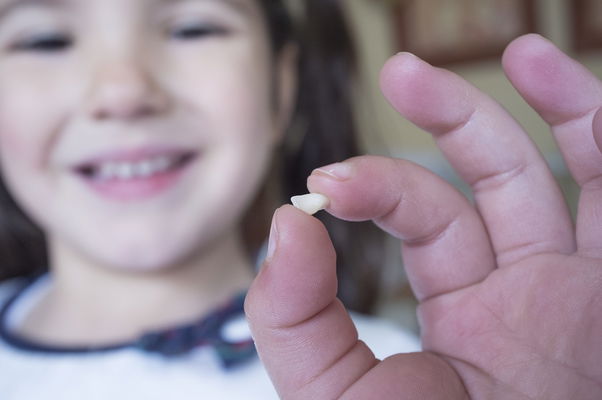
510, 290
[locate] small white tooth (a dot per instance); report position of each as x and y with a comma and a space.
143, 169
125, 171
310, 203
106, 171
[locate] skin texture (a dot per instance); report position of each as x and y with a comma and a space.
510, 289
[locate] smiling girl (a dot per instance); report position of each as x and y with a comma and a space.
138, 136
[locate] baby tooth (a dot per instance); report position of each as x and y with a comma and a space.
125, 171
107, 171
144, 169
310, 203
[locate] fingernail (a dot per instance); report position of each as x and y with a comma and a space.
339, 171
273, 240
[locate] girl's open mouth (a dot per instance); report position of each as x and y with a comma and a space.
131, 177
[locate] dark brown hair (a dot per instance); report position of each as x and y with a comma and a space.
322, 132
22, 245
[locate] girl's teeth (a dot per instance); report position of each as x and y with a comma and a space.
144, 169
106, 172
124, 171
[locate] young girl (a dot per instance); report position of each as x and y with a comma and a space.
148, 142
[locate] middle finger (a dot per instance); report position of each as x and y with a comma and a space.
516, 194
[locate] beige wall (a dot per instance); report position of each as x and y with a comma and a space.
390, 134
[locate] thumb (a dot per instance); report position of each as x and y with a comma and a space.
305, 337
303, 334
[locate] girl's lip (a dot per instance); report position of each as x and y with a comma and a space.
135, 175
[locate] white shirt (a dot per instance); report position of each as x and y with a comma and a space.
130, 373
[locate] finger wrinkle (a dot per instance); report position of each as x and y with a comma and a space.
390, 211
424, 300
496, 180
565, 120
433, 234
458, 126
593, 184
437, 234
523, 251
279, 328
357, 346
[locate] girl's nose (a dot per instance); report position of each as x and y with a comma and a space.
124, 91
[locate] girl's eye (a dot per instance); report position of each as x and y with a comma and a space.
45, 43
198, 31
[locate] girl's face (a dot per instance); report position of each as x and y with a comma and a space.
135, 132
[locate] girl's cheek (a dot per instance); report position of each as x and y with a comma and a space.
31, 111
15, 138
21, 132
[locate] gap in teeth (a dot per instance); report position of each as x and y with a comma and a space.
132, 170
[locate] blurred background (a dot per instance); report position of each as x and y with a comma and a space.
467, 37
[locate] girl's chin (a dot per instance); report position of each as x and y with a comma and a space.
142, 261
143, 267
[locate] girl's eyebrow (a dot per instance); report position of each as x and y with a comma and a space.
8, 6
236, 5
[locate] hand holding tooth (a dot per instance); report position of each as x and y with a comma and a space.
510, 290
